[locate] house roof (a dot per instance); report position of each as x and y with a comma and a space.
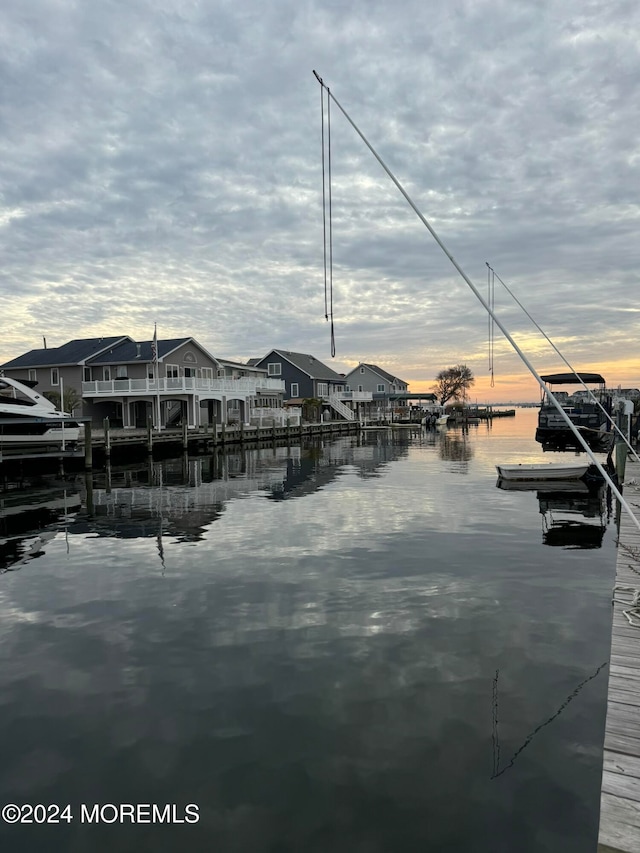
73, 352
308, 364
249, 364
127, 351
385, 375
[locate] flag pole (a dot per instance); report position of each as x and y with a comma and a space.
156, 369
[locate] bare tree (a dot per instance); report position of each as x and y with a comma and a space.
453, 383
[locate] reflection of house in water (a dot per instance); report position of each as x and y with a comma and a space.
454, 447
183, 495
26, 513
574, 514
181, 498
317, 466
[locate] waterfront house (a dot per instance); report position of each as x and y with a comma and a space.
129, 383
370, 377
388, 391
306, 377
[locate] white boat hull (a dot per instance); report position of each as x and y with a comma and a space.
53, 437
543, 471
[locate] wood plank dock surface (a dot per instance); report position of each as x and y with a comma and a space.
620, 795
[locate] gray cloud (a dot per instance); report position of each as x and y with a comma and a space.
160, 162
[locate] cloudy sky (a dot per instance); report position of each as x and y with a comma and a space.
161, 162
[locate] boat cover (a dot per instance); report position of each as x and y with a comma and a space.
571, 378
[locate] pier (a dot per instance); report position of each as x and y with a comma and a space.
106, 443
620, 796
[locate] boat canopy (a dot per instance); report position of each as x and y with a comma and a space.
572, 378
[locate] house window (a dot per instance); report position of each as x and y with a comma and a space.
347, 388
274, 369
33, 376
295, 389
172, 371
323, 389
362, 370
106, 374
121, 372
207, 372
380, 388
55, 376
190, 371
86, 374
360, 388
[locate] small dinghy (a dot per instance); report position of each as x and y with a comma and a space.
543, 471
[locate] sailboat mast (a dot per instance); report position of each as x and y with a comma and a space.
484, 304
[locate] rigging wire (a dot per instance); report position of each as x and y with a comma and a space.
491, 283
324, 202
605, 474
327, 214
592, 396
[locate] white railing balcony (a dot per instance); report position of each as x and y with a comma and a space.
179, 385
264, 416
355, 396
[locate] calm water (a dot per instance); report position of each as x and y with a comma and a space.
362, 646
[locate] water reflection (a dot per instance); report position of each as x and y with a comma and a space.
29, 518
312, 672
498, 770
455, 447
574, 514
182, 497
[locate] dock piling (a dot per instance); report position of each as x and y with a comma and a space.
88, 446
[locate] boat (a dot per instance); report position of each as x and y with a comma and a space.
29, 420
543, 471
588, 416
574, 486
436, 416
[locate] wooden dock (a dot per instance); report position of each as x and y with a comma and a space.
620, 796
108, 442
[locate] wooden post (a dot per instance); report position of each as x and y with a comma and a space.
241, 432
107, 438
185, 436
223, 433
88, 446
88, 484
149, 436
214, 430
621, 460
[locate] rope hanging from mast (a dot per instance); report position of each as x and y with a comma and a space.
327, 218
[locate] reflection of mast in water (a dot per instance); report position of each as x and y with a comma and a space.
156, 472
495, 738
